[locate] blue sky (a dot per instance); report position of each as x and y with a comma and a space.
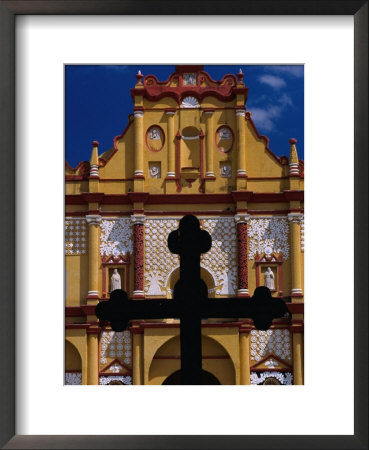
98, 102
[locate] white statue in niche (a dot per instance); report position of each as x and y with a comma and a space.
154, 134
115, 281
154, 280
154, 172
269, 278
226, 171
227, 288
189, 78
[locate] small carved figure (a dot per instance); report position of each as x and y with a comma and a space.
154, 134
226, 171
154, 172
115, 281
269, 279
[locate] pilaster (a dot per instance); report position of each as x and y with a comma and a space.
296, 287
93, 222
241, 181
138, 221
243, 282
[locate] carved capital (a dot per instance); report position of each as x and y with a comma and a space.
138, 219
93, 219
295, 217
138, 113
241, 218
240, 112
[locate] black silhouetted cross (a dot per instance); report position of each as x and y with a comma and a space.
190, 301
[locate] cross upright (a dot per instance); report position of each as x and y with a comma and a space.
190, 301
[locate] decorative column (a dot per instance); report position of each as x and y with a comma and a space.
243, 282
93, 355
295, 221
297, 342
171, 147
241, 149
245, 354
137, 360
93, 255
138, 253
209, 142
139, 149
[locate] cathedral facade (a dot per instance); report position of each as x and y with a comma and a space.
190, 147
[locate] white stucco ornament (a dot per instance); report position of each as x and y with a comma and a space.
116, 237
267, 235
190, 102
75, 236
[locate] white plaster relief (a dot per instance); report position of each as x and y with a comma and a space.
159, 261
116, 345
116, 237
276, 342
266, 233
73, 378
283, 377
190, 102
75, 236
105, 380
221, 260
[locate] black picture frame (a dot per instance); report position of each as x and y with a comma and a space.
8, 11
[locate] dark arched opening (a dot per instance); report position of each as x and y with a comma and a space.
207, 378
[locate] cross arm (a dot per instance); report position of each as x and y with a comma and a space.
119, 310
261, 312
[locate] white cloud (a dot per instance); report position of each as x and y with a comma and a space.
286, 100
296, 71
274, 82
265, 119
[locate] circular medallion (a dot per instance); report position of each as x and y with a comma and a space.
155, 138
224, 139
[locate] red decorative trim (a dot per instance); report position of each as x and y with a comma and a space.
115, 360
203, 357
116, 261
224, 90
271, 355
74, 311
293, 141
242, 256
294, 195
146, 141
94, 197
267, 369
94, 330
115, 179
295, 308
178, 161
102, 161
95, 143
259, 136
274, 258
215, 139
93, 211
138, 197
184, 199
89, 310
76, 326
160, 199
268, 211
241, 196
74, 178
202, 164
179, 212
138, 246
